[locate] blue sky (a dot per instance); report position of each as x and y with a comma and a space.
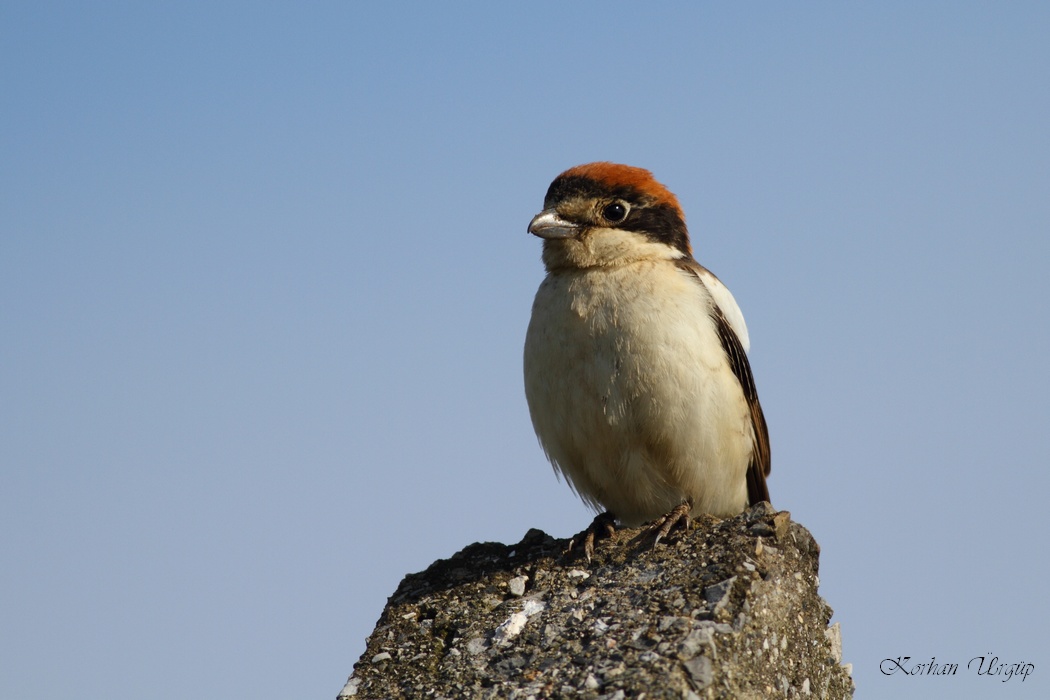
264, 283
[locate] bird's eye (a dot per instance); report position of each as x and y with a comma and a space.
615, 212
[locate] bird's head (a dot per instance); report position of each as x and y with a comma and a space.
608, 214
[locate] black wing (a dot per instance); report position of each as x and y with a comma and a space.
759, 468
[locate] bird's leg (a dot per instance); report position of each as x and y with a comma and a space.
603, 525
663, 525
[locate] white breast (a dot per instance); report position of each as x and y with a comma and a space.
630, 392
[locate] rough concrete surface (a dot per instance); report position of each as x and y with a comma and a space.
728, 609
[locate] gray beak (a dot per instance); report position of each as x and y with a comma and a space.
547, 224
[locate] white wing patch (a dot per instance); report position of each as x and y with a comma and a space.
724, 298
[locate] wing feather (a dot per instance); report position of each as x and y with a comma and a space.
729, 322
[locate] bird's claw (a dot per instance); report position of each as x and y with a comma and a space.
662, 526
603, 525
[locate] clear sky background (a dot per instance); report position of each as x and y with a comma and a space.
264, 284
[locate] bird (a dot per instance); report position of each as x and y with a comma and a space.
635, 361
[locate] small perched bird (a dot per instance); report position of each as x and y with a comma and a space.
636, 375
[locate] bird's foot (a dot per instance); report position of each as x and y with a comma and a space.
603, 525
662, 526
